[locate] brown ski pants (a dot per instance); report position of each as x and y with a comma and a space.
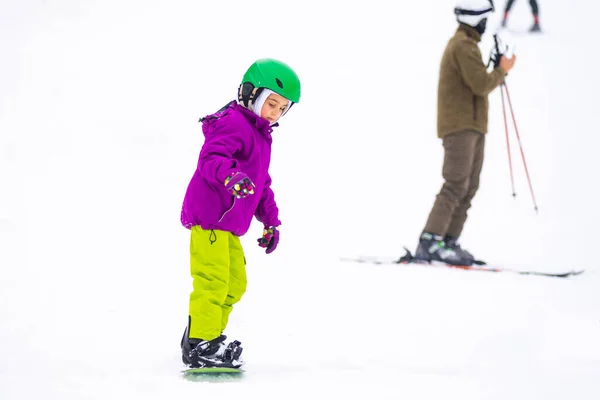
463, 159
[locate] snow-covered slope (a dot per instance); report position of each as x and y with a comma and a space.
99, 103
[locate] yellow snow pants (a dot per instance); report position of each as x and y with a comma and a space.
218, 267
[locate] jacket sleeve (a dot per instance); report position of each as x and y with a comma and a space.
474, 72
267, 211
216, 161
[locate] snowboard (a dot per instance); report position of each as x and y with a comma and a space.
212, 374
212, 370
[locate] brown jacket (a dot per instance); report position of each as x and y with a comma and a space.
464, 85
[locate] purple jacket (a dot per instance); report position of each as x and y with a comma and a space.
236, 139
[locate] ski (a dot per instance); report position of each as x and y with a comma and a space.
408, 259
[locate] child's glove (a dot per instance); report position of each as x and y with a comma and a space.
239, 185
269, 239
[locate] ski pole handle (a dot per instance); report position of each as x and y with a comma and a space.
496, 44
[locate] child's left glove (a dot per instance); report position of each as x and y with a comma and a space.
269, 239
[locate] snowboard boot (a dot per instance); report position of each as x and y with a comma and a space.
452, 243
198, 353
433, 248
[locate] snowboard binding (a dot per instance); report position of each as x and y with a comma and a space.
197, 353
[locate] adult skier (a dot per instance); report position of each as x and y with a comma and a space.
462, 122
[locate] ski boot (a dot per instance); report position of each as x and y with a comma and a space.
452, 242
198, 353
535, 28
433, 248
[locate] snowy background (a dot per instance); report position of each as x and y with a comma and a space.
99, 103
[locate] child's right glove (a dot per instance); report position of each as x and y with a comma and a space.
239, 185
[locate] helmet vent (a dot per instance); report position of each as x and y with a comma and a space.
279, 83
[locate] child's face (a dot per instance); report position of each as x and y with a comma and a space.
274, 107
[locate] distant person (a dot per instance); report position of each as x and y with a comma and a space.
230, 186
463, 88
534, 10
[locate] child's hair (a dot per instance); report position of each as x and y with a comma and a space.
271, 74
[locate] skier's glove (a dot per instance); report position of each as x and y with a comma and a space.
239, 185
269, 239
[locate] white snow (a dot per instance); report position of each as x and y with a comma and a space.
99, 102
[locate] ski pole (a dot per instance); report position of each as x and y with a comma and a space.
520, 146
512, 179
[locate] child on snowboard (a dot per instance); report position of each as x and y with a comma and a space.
231, 185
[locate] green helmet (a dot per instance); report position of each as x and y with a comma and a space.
271, 74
